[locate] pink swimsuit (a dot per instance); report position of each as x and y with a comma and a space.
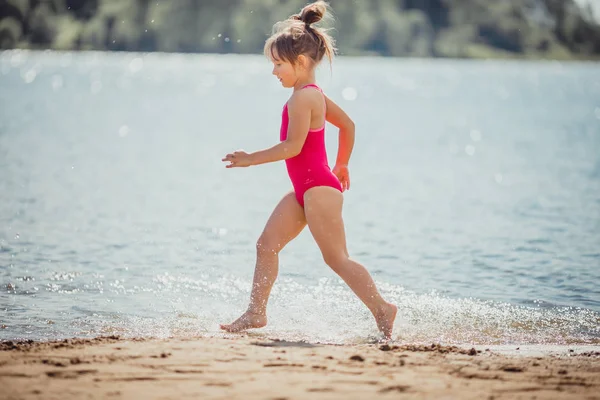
309, 168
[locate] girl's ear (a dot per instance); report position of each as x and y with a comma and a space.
303, 61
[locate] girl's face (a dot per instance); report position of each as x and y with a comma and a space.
286, 72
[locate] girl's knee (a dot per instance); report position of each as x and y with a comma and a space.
267, 245
335, 261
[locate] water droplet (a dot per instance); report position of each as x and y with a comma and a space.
239, 40
227, 39
498, 177
17, 59
475, 135
17, 236
349, 94
136, 64
219, 35
470, 149
123, 131
29, 76
57, 82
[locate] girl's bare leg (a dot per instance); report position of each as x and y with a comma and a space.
323, 210
284, 224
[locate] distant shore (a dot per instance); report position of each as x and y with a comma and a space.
251, 366
470, 29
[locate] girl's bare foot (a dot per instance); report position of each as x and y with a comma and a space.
248, 320
385, 317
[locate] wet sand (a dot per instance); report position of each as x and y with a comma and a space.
254, 367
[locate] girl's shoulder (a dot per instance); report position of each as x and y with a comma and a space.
307, 96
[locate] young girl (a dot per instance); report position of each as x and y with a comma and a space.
296, 48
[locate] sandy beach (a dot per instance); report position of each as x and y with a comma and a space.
255, 367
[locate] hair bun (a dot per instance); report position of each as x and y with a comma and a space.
294, 36
313, 13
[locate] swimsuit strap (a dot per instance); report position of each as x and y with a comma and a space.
312, 85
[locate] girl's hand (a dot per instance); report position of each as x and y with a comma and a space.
342, 173
238, 159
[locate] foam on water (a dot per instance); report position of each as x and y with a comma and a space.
326, 312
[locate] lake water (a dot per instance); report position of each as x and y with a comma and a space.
474, 200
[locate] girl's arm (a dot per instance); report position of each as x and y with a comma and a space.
299, 112
337, 116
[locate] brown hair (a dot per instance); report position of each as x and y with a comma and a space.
296, 36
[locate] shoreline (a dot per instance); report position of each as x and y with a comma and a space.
250, 366
513, 349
